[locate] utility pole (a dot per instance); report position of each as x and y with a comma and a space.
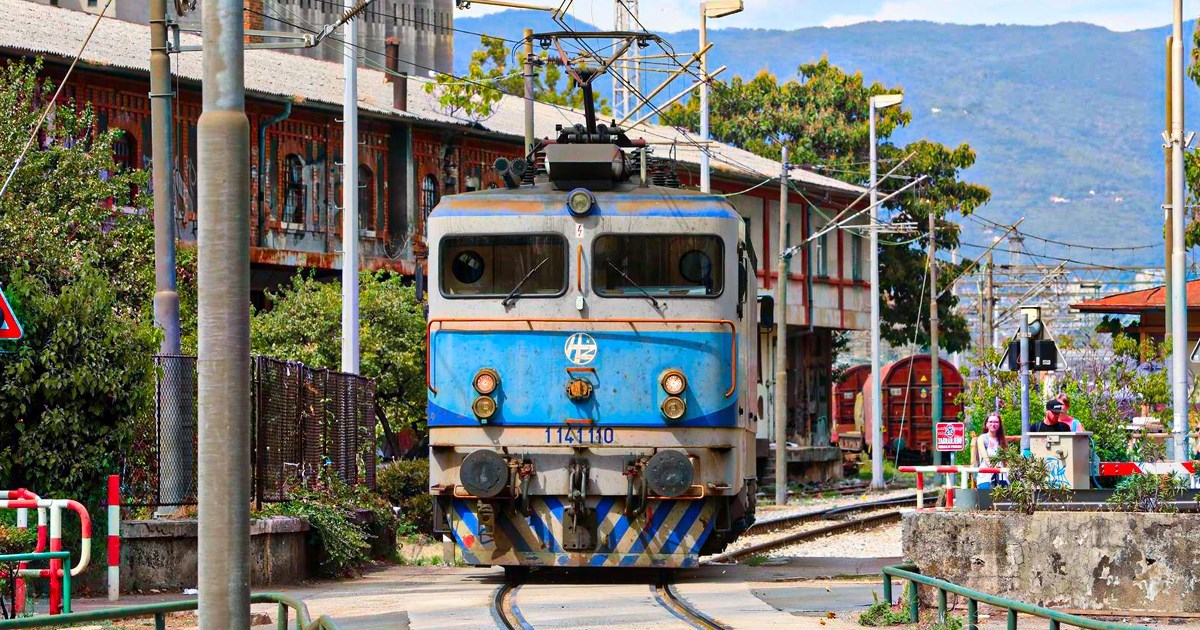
705, 175
781, 415
350, 196
989, 305
175, 458
935, 365
529, 95
1179, 338
223, 176
1167, 193
1023, 371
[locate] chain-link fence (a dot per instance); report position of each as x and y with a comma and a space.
303, 420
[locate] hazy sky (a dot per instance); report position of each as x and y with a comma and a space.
675, 15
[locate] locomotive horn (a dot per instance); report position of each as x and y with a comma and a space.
484, 473
669, 473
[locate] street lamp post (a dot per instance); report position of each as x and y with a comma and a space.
877, 102
709, 9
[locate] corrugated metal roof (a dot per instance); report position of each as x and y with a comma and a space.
38, 29
1139, 301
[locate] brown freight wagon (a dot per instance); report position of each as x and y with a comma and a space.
908, 405
847, 427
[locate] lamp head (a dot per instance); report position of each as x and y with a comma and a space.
887, 100
720, 8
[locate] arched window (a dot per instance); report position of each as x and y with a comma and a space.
429, 195
366, 198
295, 192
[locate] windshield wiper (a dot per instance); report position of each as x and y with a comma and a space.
657, 305
513, 295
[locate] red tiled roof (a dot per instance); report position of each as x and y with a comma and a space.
1139, 301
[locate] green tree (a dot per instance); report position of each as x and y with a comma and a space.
75, 260
823, 121
304, 324
490, 67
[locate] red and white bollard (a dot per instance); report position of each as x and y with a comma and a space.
55, 572
949, 471
19, 590
114, 537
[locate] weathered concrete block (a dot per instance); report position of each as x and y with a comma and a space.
1090, 560
161, 554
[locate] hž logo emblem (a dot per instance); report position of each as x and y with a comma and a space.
580, 348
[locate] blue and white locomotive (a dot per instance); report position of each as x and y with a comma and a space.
591, 343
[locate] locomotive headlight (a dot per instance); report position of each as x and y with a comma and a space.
580, 201
485, 381
673, 407
484, 407
673, 382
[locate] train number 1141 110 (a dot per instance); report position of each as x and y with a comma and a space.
580, 435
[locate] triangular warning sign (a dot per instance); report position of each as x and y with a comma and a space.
924, 378
10, 328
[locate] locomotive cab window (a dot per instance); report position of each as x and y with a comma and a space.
504, 266
662, 265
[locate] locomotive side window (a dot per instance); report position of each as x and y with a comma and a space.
663, 265
503, 265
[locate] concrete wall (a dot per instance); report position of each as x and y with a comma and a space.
1088, 560
161, 554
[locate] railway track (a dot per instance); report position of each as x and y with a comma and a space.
792, 521
508, 614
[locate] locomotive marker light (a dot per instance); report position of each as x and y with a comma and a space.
673, 382
483, 473
669, 473
484, 408
579, 389
486, 381
580, 202
673, 407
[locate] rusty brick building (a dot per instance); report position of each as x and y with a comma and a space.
412, 152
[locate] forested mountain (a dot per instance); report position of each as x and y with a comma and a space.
1066, 119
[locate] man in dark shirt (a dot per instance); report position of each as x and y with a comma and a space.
1055, 422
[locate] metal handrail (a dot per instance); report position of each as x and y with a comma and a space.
910, 572
64, 558
160, 611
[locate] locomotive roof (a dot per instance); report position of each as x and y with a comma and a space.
626, 199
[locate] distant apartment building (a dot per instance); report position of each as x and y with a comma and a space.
422, 29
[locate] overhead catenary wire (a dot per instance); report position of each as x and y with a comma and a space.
1115, 248
53, 100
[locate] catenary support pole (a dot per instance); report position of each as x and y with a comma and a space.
175, 456
935, 365
529, 94
223, 177
1023, 371
1167, 156
989, 305
1179, 338
876, 410
705, 183
781, 415
350, 195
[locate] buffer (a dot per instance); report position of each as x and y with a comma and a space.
10, 328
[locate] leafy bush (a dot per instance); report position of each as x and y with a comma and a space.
79, 273
405, 483
1030, 481
331, 508
1148, 492
883, 614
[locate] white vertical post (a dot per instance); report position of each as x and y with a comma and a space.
350, 197
705, 185
1179, 337
876, 410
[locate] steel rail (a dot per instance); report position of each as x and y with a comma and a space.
1013, 607
666, 597
504, 607
791, 520
870, 520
